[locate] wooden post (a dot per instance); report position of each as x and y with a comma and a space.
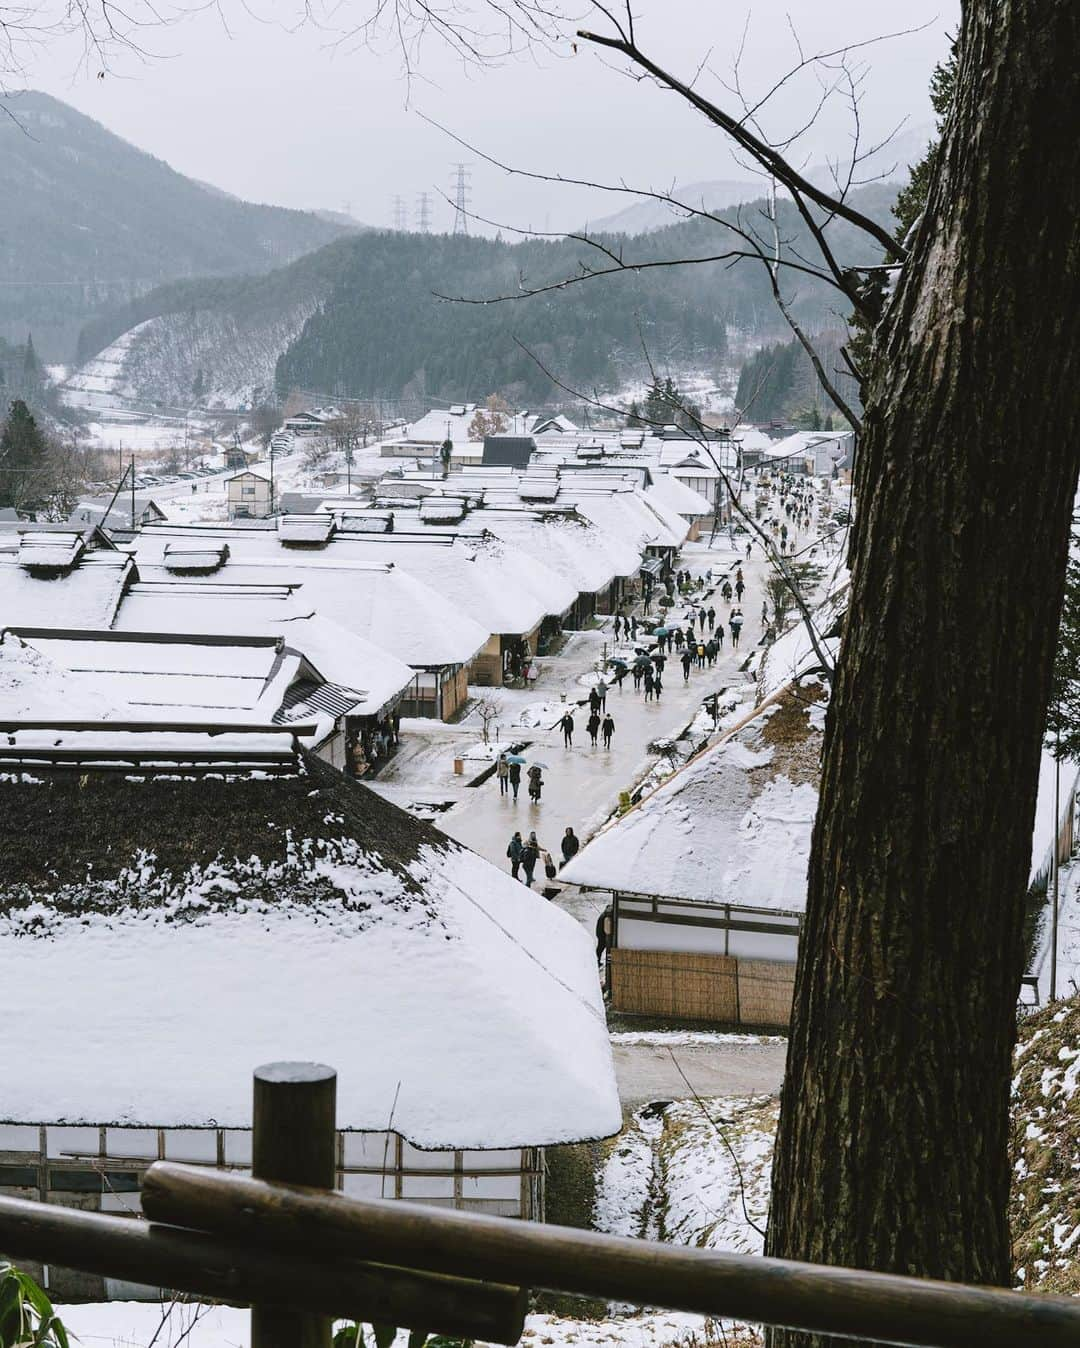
293, 1140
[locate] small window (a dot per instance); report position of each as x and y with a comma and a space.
18, 1176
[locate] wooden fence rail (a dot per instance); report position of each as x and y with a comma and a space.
847, 1303
300, 1254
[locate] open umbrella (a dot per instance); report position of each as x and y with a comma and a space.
617, 660
515, 758
660, 631
537, 764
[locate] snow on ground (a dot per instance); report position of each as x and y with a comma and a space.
692, 1173
134, 1324
683, 1038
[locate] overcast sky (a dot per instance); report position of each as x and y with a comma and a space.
291, 116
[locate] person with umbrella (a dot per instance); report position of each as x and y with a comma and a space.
687, 661
620, 673
678, 638
514, 772
735, 623
567, 727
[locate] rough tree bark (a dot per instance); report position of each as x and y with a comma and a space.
892, 1146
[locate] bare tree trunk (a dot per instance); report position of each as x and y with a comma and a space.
892, 1146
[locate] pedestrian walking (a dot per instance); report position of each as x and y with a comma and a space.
687, 661
637, 676
701, 619
718, 636
739, 588
633, 627
736, 628
678, 636
620, 674
607, 729
710, 651
530, 855
515, 778
764, 613
569, 845
601, 693
738, 574
514, 852
650, 684
726, 591
618, 622
711, 615
567, 727
604, 925
701, 655
748, 547
593, 727
594, 700
502, 771
658, 684
659, 661
536, 783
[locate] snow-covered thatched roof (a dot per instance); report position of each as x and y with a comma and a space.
732, 826
162, 935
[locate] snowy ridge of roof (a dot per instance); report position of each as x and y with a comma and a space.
731, 826
85, 596
444, 993
380, 603
675, 495
339, 655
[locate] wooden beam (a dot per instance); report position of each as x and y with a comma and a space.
242, 1273
847, 1303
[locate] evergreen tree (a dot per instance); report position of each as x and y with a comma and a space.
23, 459
633, 417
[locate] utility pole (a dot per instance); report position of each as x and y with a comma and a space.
462, 192
400, 222
423, 212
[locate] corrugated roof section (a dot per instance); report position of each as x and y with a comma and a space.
308, 695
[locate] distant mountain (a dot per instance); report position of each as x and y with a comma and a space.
642, 217
362, 318
89, 221
889, 164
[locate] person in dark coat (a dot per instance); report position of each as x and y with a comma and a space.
570, 844
739, 588
710, 651
536, 782
659, 661
601, 693
607, 729
530, 855
658, 683
514, 853
711, 615
638, 671
687, 661
736, 628
618, 625
701, 619
620, 674
593, 727
594, 701
515, 778
603, 933
650, 683
678, 636
567, 726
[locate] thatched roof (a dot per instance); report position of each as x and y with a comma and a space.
161, 935
91, 841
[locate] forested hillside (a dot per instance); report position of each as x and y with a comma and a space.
88, 221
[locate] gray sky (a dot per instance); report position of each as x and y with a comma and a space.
295, 117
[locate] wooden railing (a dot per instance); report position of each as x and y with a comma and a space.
301, 1254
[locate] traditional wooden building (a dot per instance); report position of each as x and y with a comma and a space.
178, 906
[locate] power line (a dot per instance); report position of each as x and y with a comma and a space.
400, 221
462, 192
423, 212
